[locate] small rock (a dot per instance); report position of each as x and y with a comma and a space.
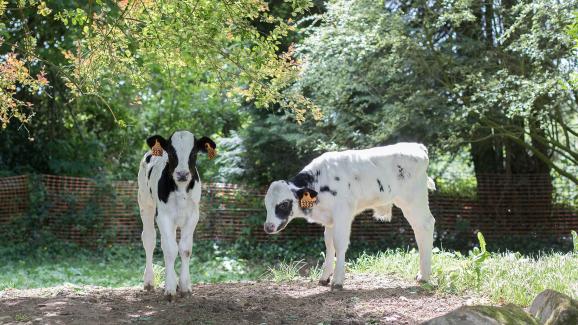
485, 315
554, 308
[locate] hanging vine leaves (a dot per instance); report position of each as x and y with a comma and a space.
16, 79
194, 41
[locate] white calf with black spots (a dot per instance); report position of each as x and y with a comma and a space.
169, 189
337, 186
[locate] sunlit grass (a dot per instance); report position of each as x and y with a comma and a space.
502, 277
122, 266
285, 271
505, 277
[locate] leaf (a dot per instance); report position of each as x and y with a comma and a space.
482, 241
43, 10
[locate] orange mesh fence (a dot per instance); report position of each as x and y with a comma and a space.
504, 206
14, 198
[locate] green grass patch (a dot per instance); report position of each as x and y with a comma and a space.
504, 277
115, 267
500, 277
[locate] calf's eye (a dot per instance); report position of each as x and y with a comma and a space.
284, 205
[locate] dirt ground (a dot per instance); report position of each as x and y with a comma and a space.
365, 300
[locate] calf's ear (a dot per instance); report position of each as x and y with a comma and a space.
151, 141
207, 146
307, 197
157, 144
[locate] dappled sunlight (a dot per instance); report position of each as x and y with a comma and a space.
364, 298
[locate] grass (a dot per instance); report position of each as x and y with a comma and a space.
115, 267
504, 277
501, 277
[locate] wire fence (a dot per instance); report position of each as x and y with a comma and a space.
521, 205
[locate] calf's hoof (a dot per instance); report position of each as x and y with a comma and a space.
324, 283
171, 297
149, 287
336, 287
421, 279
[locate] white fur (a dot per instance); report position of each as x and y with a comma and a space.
402, 172
180, 211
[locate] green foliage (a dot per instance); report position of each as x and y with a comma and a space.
120, 72
575, 241
38, 228
573, 32
478, 256
435, 72
88, 218
143, 43
30, 230
464, 187
275, 147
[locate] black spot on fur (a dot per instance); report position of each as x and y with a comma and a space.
148, 158
166, 184
283, 210
303, 179
349, 185
326, 188
173, 158
317, 172
400, 172
151, 190
337, 178
150, 171
156, 212
194, 179
389, 188
380, 186
193, 161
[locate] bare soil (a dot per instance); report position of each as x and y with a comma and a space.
366, 299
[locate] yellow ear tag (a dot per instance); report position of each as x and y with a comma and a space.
157, 150
307, 201
211, 152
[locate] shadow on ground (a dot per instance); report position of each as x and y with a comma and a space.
366, 299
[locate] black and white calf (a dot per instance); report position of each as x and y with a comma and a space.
336, 186
169, 189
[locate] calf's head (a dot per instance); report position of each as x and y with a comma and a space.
181, 149
284, 202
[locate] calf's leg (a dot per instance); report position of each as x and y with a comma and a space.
169, 246
422, 222
328, 265
341, 231
185, 250
149, 239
